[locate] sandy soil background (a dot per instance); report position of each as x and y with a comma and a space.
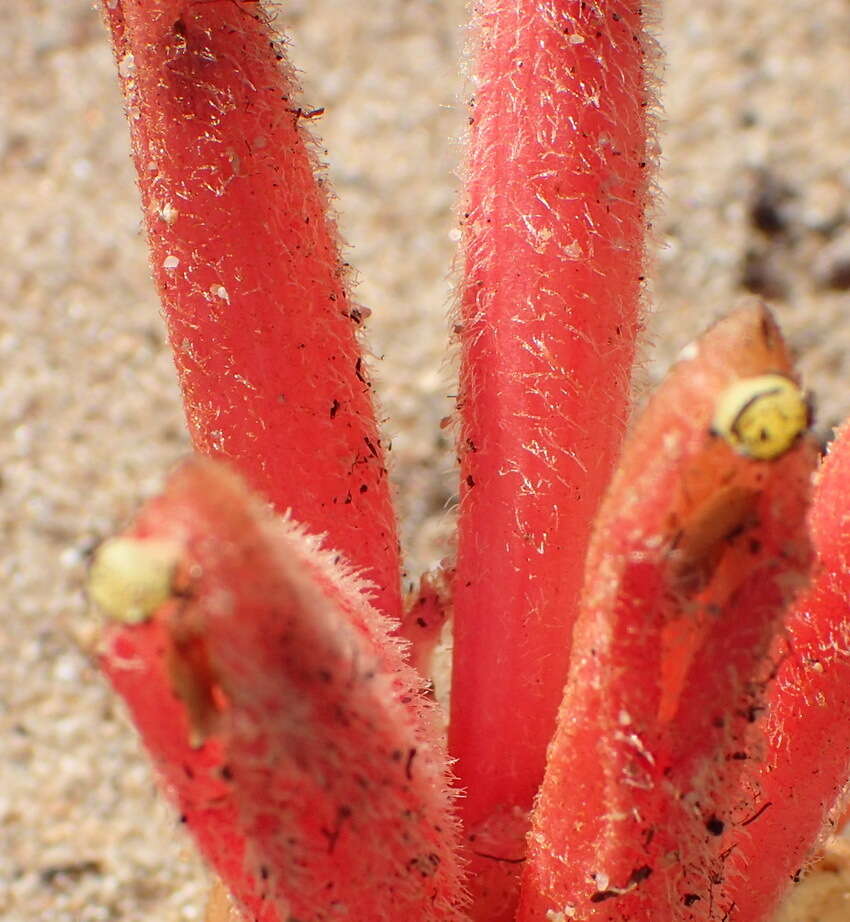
755, 184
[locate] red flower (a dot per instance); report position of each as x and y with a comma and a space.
267, 669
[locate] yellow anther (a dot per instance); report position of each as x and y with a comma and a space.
762, 417
130, 578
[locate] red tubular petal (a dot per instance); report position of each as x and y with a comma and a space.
796, 794
323, 770
134, 658
249, 272
694, 557
554, 223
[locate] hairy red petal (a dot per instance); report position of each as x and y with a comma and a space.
553, 239
796, 792
695, 555
321, 768
249, 273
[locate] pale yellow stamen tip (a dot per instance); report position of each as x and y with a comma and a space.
130, 578
761, 417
